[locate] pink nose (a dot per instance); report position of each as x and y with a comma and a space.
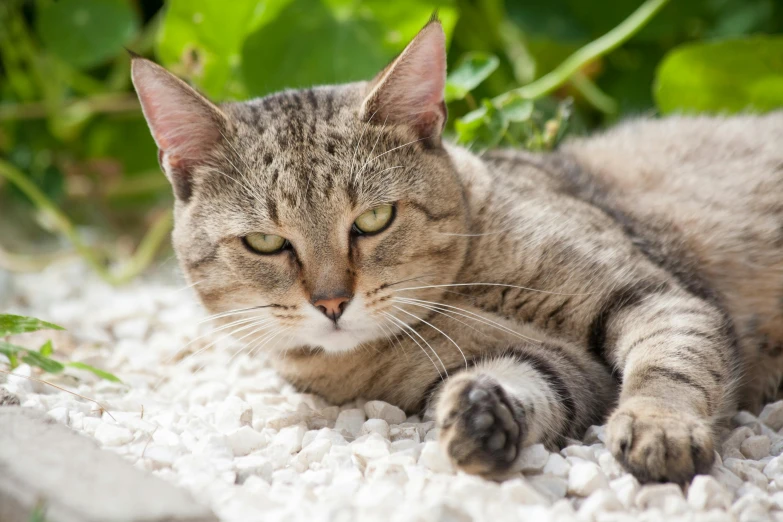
333, 307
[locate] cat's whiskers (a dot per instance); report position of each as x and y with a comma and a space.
494, 284
405, 329
232, 312
258, 321
267, 339
438, 330
470, 315
253, 332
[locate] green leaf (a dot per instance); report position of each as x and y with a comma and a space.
100, 373
46, 349
86, 33
334, 50
202, 40
11, 351
484, 127
16, 324
724, 76
44, 363
517, 109
315, 42
472, 69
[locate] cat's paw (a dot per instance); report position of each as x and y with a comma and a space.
658, 443
480, 428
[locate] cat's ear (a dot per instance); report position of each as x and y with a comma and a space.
185, 125
409, 91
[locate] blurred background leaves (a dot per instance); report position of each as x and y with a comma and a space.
71, 126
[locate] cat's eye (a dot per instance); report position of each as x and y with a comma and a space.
375, 220
265, 243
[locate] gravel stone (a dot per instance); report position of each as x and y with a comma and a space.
755, 447
379, 426
533, 458
584, 478
383, 410
349, 422
772, 415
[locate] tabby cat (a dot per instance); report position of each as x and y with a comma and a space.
633, 278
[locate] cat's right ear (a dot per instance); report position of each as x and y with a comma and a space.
185, 125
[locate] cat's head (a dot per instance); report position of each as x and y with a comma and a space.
305, 213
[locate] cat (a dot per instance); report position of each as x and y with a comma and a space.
634, 277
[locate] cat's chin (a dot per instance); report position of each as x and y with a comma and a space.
336, 341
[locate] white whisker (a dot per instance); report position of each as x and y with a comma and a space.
408, 327
490, 284
437, 329
475, 317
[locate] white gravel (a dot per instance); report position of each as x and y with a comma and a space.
230, 430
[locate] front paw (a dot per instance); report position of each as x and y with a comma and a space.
658, 443
480, 428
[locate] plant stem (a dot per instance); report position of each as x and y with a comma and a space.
595, 49
133, 267
59, 220
104, 103
593, 94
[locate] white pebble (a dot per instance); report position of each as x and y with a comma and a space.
290, 438
772, 415
666, 497
706, 493
379, 426
625, 488
383, 410
232, 414
349, 422
755, 447
524, 491
557, 465
371, 447
584, 478
61, 415
432, 457
111, 435
599, 501
533, 458
314, 452
245, 440
550, 485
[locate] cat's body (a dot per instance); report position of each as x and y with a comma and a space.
523, 296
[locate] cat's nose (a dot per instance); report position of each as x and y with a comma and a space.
332, 307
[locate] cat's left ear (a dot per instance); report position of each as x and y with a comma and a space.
185, 125
409, 91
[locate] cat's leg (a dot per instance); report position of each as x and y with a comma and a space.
679, 365
527, 394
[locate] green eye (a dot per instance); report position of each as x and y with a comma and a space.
265, 243
374, 220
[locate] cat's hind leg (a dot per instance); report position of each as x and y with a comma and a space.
526, 394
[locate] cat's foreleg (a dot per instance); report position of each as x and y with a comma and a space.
679, 366
524, 395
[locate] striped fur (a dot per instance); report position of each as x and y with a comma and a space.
634, 277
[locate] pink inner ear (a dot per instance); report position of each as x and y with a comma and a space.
183, 123
410, 90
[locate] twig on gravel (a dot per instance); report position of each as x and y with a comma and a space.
101, 407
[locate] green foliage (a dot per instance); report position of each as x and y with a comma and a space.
16, 324
85, 33
42, 358
724, 76
522, 73
472, 69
